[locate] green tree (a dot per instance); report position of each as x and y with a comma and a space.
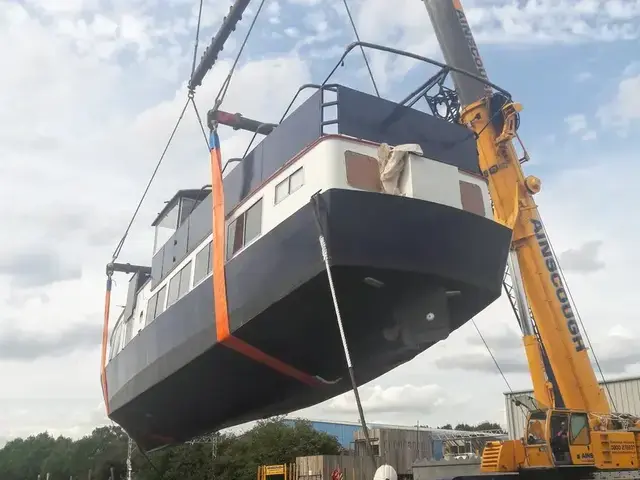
58, 463
23, 458
238, 456
464, 427
488, 426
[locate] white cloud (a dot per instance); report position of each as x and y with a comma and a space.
274, 12
582, 259
615, 353
396, 399
405, 24
577, 124
304, 2
62, 6
292, 32
624, 107
397, 404
583, 76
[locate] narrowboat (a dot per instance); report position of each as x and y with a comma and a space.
411, 263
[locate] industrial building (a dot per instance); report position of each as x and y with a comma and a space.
402, 446
343, 431
623, 394
350, 436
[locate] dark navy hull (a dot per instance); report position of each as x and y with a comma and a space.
173, 381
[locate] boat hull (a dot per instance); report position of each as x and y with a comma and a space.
407, 273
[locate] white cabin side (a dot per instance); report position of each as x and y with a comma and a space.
334, 161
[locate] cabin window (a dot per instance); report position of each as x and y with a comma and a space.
129, 330
363, 171
253, 223
579, 429
174, 289
471, 197
151, 309
244, 229
162, 296
289, 185
235, 238
185, 279
203, 264
179, 284
155, 306
186, 207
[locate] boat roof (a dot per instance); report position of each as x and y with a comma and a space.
191, 193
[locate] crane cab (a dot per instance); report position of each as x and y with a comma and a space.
558, 437
565, 438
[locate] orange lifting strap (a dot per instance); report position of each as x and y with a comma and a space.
221, 308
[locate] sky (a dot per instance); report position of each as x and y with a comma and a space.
91, 89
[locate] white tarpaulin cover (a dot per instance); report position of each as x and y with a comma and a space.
392, 161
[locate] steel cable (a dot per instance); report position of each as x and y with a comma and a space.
364, 55
118, 248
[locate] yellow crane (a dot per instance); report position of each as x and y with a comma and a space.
572, 432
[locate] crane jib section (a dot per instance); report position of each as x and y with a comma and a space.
473, 47
556, 279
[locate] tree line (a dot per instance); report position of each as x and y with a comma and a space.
480, 427
102, 455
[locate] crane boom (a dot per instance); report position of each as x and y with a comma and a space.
561, 352
459, 48
564, 381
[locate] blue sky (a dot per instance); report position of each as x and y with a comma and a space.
92, 88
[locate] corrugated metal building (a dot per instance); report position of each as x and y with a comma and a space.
625, 393
347, 432
343, 431
399, 447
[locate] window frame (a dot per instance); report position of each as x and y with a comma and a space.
585, 428
287, 180
128, 329
185, 276
154, 302
162, 292
257, 206
231, 250
151, 309
178, 276
207, 267
232, 235
175, 278
301, 171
